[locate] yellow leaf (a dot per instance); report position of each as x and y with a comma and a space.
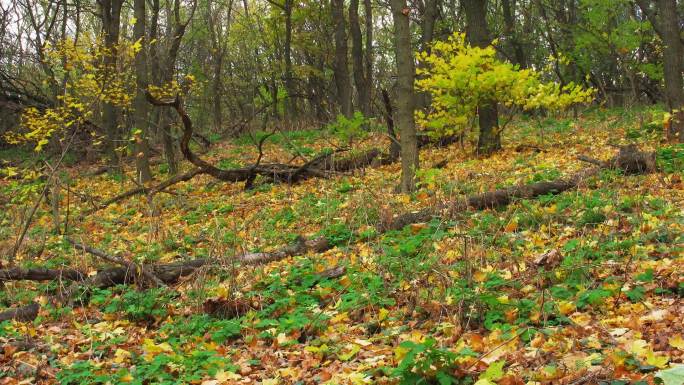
677, 342
150, 349
566, 307
511, 226
359, 379
657, 361
639, 348
382, 315
222, 376
351, 350
121, 356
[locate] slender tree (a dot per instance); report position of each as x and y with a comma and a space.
368, 61
140, 117
111, 20
405, 99
342, 79
360, 77
510, 30
477, 31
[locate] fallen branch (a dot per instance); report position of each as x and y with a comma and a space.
163, 273
300, 246
18, 274
277, 172
24, 313
630, 160
144, 190
117, 260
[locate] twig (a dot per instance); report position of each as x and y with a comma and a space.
20, 240
587, 159
117, 260
497, 347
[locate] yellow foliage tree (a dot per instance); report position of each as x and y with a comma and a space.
86, 83
459, 77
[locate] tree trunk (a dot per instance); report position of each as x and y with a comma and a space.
362, 86
665, 19
368, 8
175, 34
215, 22
430, 13
673, 65
140, 118
489, 140
290, 104
511, 33
342, 80
111, 18
405, 99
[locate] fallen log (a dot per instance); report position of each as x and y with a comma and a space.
18, 274
300, 246
276, 172
130, 266
629, 159
24, 313
168, 273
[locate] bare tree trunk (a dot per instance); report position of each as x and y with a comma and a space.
140, 118
511, 33
673, 65
362, 86
665, 20
290, 104
489, 140
218, 41
405, 99
428, 26
175, 35
111, 18
342, 79
368, 8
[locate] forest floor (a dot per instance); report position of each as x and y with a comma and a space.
583, 287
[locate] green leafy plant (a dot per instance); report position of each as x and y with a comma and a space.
148, 305
349, 129
425, 362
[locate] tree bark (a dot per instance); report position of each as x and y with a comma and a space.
290, 101
405, 99
629, 159
23, 314
673, 65
665, 20
111, 19
368, 8
140, 118
430, 14
489, 140
511, 33
342, 79
360, 79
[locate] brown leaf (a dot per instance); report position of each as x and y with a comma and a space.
550, 259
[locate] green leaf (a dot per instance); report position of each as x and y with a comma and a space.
672, 376
494, 372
